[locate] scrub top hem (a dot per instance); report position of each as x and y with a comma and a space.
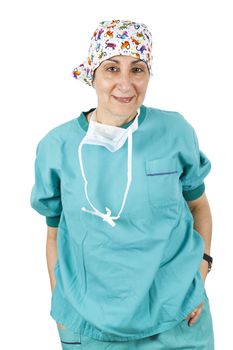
90, 331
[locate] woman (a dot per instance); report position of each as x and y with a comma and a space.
129, 225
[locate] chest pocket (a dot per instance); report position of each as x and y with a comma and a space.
163, 183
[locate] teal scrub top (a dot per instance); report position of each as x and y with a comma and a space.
140, 277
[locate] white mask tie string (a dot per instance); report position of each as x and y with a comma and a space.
107, 216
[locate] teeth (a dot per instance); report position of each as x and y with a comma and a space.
126, 99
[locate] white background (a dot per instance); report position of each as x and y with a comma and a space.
41, 42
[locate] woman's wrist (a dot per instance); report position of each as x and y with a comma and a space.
209, 260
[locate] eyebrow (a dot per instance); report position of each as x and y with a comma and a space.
113, 60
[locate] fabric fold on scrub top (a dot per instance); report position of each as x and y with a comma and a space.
142, 276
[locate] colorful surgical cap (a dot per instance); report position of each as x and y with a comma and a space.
112, 38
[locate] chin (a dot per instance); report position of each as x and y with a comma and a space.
125, 110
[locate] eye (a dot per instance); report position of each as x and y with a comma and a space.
111, 69
138, 70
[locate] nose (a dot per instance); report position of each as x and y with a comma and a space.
124, 82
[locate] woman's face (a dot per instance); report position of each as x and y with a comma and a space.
121, 83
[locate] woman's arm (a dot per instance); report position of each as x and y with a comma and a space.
201, 213
203, 225
51, 253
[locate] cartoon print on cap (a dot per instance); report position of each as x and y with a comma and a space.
113, 38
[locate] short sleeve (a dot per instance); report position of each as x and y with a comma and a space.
46, 196
196, 168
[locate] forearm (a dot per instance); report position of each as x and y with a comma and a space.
203, 225
51, 254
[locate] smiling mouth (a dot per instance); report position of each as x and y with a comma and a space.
124, 99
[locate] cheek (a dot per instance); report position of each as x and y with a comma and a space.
104, 86
103, 94
142, 87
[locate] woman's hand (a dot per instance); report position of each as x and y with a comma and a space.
193, 316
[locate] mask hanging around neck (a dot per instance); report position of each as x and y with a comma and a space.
108, 136
112, 138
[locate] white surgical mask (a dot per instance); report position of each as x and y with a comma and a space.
112, 138
109, 136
